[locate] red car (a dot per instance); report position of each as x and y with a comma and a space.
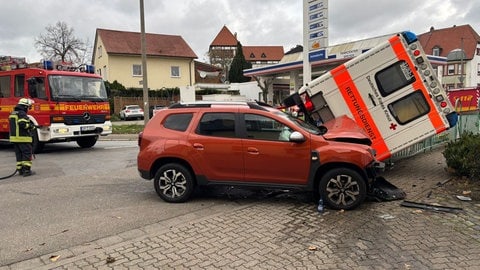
253, 144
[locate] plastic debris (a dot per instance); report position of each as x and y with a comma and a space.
463, 198
320, 207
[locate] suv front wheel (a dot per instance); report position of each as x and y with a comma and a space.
173, 183
342, 188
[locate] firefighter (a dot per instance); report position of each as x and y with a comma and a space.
21, 129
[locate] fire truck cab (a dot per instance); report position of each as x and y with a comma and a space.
70, 103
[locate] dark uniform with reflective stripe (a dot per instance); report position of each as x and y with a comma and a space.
20, 135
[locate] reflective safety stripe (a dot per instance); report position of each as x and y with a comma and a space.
359, 110
15, 131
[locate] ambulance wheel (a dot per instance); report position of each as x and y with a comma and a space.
87, 142
174, 183
342, 188
37, 146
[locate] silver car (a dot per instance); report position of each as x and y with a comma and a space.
131, 112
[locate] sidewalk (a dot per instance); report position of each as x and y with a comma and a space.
287, 233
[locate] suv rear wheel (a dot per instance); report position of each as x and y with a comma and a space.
342, 188
173, 183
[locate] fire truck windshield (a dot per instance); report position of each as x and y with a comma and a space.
76, 88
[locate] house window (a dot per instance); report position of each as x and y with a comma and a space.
105, 73
263, 55
451, 69
478, 69
99, 51
436, 51
252, 55
175, 71
137, 70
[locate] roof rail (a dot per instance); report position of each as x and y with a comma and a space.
208, 104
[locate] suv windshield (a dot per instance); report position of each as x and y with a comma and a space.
75, 88
300, 123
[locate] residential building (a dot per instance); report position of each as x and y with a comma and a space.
460, 45
224, 46
117, 56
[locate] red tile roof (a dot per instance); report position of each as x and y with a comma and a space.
449, 39
122, 42
263, 53
224, 38
206, 67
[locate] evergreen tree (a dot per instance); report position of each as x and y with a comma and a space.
235, 74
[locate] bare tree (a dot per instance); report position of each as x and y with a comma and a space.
264, 85
59, 43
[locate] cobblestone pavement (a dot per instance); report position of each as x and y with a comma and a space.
288, 233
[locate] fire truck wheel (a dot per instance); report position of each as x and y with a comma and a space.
37, 146
87, 142
342, 188
174, 183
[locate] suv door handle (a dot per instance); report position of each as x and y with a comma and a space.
252, 150
198, 146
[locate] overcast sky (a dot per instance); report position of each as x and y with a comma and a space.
256, 22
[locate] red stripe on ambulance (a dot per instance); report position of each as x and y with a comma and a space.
358, 108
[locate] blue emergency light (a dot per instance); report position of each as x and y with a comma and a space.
48, 65
90, 69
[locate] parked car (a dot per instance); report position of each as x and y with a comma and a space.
131, 112
253, 144
153, 109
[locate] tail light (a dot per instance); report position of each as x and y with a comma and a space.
308, 103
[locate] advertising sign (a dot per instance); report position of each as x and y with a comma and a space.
468, 98
317, 31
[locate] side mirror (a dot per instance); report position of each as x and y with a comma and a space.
296, 137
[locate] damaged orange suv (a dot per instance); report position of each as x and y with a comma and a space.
252, 144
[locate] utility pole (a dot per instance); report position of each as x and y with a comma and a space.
146, 107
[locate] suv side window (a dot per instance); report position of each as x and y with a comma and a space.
264, 128
178, 122
217, 124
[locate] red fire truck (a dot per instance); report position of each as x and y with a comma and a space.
71, 103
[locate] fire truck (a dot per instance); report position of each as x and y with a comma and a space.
391, 91
70, 103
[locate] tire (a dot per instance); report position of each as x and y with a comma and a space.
87, 142
37, 146
174, 183
342, 188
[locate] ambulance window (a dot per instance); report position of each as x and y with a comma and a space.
394, 78
409, 107
19, 85
5, 86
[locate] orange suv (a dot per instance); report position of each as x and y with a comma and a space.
253, 144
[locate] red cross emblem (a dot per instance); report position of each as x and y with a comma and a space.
393, 126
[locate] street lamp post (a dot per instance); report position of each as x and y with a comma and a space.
144, 64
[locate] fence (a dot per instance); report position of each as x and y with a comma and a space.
466, 123
120, 102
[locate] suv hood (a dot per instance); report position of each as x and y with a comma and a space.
344, 129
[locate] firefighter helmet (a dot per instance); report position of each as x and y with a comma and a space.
26, 102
